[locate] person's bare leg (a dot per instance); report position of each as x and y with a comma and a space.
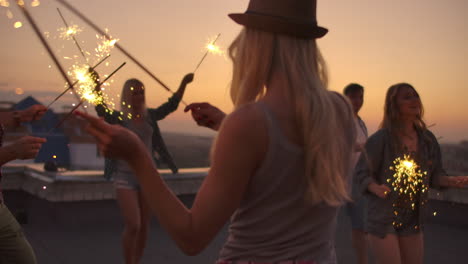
386, 250
130, 210
359, 241
145, 216
412, 249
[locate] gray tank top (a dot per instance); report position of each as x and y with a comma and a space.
274, 222
144, 131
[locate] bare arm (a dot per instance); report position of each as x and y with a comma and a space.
172, 104
14, 118
454, 181
239, 149
24, 148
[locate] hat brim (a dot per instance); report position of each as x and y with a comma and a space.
279, 25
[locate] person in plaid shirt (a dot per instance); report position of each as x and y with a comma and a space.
14, 247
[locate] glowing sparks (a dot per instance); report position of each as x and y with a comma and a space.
4, 3
408, 184
68, 33
105, 46
212, 48
87, 82
19, 91
435, 213
35, 3
408, 179
18, 24
54, 156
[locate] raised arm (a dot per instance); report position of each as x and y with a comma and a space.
172, 103
238, 151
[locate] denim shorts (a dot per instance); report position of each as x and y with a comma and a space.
412, 226
357, 212
125, 180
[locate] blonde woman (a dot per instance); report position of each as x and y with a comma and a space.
143, 122
280, 159
395, 221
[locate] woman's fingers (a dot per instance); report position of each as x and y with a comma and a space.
96, 122
196, 106
101, 137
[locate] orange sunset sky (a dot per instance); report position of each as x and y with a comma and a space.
372, 42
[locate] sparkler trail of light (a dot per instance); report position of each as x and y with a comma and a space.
107, 44
408, 183
71, 32
210, 47
46, 45
88, 84
125, 52
75, 82
86, 95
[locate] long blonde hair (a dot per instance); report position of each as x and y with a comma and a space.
325, 119
126, 97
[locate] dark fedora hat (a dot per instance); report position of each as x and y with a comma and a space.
291, 17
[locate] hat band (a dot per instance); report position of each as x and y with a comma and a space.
292, 19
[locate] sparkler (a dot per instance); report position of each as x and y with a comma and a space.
86, 94
75, 82
88, 84
408, 183
102, 32
210, 47
45, 44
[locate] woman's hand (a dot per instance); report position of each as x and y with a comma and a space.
114, 141
34, 112
26, 147
206, 115
458, 181
380, 190
188, 78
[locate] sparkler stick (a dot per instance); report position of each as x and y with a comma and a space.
110, 75
73, 37
46, 45
65, 117
70, 87
91, 24
206, 53
82, 101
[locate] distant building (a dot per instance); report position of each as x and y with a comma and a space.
68, 145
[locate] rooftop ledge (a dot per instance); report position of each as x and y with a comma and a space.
80, 185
